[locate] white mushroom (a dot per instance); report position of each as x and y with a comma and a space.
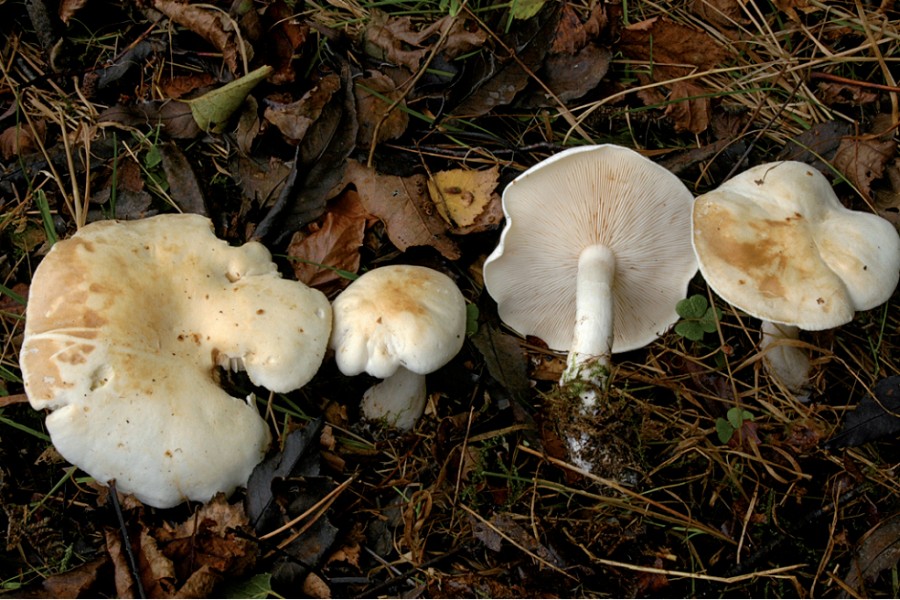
125, 326
775, 242
594, 257
397, 323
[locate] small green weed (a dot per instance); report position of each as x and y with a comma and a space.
697, 318
736, 417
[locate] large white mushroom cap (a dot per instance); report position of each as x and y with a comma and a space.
607, 196
125, 327
776, 242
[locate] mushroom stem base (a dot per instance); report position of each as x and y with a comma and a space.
589, 356
398, 401
783, 360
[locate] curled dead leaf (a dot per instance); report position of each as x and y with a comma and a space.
295, 118
208, 23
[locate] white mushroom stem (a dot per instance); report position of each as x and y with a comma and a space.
399, 400
589, 356
784, 360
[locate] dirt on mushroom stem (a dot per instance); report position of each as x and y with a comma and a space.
602, 438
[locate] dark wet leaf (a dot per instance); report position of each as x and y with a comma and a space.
504, 359
318, 167
257, 586
174, 117
128, 61
818, 143
492, 80
300, 457
877, 551
874, 418
184, 188
77, 583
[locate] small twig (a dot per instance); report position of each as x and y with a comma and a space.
853, 82
375, 591
126, 540
319, 508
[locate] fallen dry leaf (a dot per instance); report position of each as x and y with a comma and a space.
496, 80
375, 93
571, 76
792, 8
387, 38
293, 119
887, 201
174, 117
831, 93
17, 140
690, 108
461, 195
862, 161
817, 144
877, 551
403, 205
572, 35
76, 583
206, 22
332, 243
187, 559
284, 35
671, 48
726, 14
184, 188
68, 8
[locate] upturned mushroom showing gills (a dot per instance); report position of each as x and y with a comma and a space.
595, 254
397, 323
126, 325
775, 242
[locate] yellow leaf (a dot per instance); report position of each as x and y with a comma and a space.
461, 195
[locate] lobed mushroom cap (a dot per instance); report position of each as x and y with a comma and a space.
584, 196
125, 326
776, 242
398, 315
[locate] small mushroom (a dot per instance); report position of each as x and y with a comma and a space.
126, 325
775, 242
397, 323
594, 257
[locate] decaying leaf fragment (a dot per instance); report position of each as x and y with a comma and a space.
186, 560
330, 245
874, 418
375, 94
210, 24
863, 160
396, 39
293, 119
877, 551
403, 205
461, 195
673, 50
